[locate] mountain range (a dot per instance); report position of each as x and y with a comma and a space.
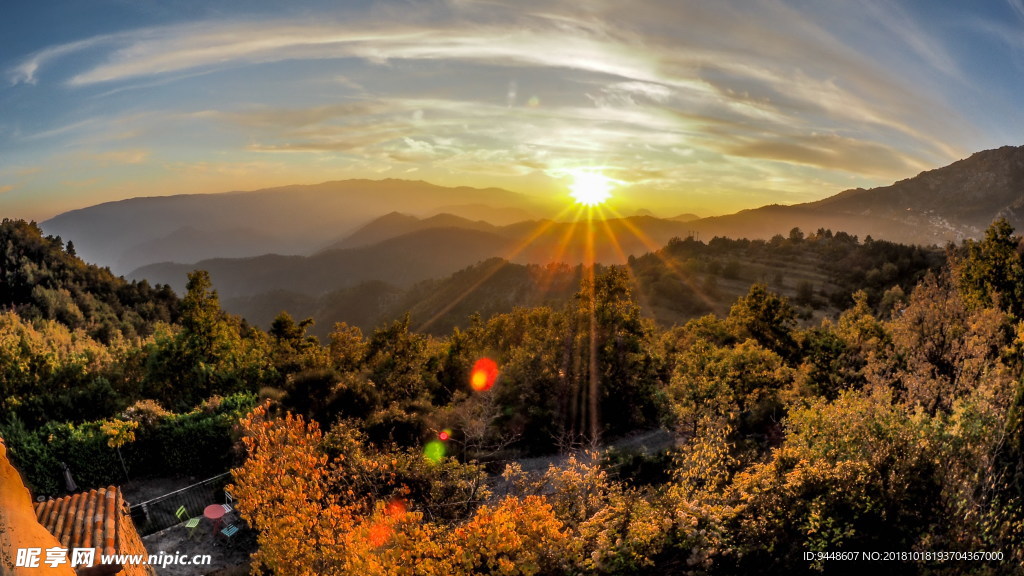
947, 204
186, 228
307, 242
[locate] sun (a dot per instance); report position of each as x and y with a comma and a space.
591, 188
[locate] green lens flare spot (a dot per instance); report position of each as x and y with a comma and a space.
434, 451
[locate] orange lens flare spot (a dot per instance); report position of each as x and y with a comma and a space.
484, 373
444, 435
379, 534
395, 508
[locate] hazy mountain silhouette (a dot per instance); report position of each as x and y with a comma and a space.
286, 220
396, 224
401, 248
437, 305
680, 281
430, 250
401, 261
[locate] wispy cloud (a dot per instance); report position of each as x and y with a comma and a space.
115, 157
1017, 6
25, 71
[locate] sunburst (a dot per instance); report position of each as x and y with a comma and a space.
590, 187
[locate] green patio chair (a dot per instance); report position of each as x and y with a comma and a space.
190, 523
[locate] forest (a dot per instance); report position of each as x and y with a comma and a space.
892, 422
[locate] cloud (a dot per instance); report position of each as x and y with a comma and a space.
116, 157
1018, 7
830, 151
294, 118
742, 87
6, 188
25, 72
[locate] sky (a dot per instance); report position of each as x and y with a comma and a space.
688, 106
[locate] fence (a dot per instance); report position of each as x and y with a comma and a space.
156, 514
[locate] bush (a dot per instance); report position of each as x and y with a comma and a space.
199, 443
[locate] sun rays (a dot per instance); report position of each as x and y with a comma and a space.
588, 230
589, 224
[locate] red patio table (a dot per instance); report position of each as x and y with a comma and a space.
214, 512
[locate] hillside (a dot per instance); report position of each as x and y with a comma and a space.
943, 205
410, 250
947, 204
962, 198
42, 278
680, 281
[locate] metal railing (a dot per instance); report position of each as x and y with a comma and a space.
159, 513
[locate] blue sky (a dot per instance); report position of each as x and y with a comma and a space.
707, 107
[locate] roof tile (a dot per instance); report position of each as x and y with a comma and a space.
94, 519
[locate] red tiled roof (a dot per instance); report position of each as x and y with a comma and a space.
95, 519
86, 520
18, 526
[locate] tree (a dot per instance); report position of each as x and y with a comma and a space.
992, 273
211, 353
836, 355
347, 348
738, 386
627, 369
282, 492
767, 318
294, 350
858, 473
399, 363
946, 349
539, 384
120, 432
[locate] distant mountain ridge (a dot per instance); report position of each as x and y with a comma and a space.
400, 261
285, 220
933, 208
421, 249
947, 204
963, 197
396, 224
938, 206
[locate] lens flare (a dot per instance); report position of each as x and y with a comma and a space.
444, 435
379, 534
382, 528
395, 508
484, 373
434, 451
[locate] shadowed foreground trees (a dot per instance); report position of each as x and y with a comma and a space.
895, 426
